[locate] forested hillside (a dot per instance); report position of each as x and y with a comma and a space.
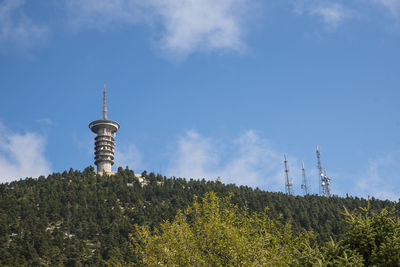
75, 218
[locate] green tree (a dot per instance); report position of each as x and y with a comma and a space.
215, 232
375, 236
372, 239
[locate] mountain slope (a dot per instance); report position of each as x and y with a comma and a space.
74, 217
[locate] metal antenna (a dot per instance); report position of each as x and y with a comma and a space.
304, 185
104, 104
288, 182
319, 165
325, 185
324, 179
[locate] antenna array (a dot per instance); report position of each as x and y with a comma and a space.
324, 180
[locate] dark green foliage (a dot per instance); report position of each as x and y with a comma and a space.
375, 236
80, 218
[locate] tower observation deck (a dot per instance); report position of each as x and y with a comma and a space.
104, 141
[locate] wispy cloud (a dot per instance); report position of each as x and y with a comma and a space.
16, 27
392, 5
128, 156
22, 155
248, 160
185, 26
379, 177
331, 13
103, 14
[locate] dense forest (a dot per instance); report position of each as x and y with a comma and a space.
80, 218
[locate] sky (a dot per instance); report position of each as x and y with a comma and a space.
206, 88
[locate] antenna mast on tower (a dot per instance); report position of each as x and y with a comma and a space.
104, 104
304, 185
288, 182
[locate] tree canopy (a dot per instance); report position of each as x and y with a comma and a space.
215, 232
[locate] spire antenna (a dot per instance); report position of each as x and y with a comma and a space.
104, 104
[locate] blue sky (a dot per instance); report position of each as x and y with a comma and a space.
206, 88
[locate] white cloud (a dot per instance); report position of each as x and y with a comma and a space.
332, 15
192, 24
187, 25
128, 156
195, 156
330, 12
17, 28
21, 155
379, 177
392, 5
248, 160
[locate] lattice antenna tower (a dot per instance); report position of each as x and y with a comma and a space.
320, 174
324, 180
288, 183
304, 185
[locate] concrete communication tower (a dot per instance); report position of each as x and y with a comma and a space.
323, 178
304, 184
104, 142
288, 181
